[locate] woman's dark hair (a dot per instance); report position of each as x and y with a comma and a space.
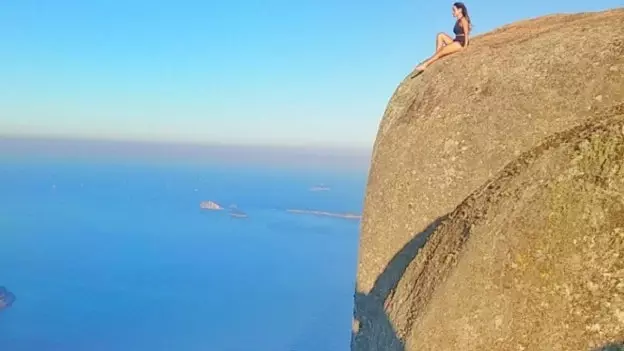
464, 10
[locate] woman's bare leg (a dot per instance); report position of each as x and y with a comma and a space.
442, 40
447, 50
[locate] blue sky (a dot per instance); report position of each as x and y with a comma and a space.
237, 71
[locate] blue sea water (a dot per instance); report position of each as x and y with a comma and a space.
118, 256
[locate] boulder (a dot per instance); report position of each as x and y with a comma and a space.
494, 209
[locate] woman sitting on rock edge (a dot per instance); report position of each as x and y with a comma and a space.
445, 45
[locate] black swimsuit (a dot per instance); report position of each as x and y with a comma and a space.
460, 36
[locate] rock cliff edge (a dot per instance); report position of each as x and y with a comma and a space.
494, 210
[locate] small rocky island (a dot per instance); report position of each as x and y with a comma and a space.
213, 206
320, 187
327, 214
236, 213
7, 298
210, 205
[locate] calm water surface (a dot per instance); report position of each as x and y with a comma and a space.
118, 256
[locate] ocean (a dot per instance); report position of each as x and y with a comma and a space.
117, 255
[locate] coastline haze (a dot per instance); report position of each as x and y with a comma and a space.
311, 156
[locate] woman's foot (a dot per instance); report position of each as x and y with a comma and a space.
420, 68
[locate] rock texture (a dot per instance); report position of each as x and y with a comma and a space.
494, 212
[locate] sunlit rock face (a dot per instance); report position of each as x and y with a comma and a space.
493, 215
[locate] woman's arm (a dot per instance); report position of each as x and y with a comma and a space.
466, 26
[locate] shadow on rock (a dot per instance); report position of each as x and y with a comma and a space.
374, 331
617, 346
415, 74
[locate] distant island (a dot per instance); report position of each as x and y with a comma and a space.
213, 206
210, 205
320, 187
7, 298
236, 213
328, 214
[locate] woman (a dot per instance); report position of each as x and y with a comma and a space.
445, 45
